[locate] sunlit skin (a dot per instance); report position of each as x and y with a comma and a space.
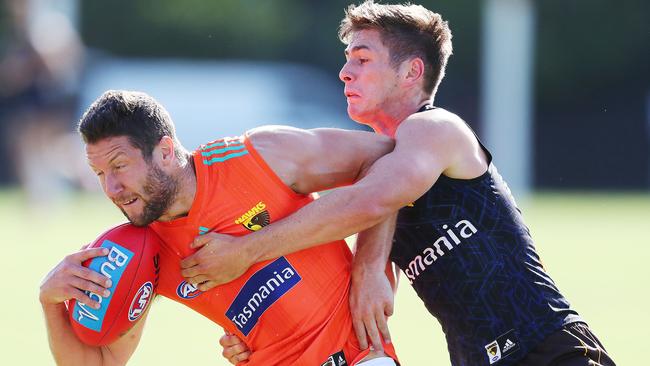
143, 190
378, 93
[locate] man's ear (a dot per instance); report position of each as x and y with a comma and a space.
413, 71
164, 151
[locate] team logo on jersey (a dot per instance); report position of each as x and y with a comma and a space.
262, 290
140, 301
255, 218
187, 291
493, 352
505, 345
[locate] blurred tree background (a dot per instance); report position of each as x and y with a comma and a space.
592, 74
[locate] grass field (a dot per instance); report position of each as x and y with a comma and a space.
596, 247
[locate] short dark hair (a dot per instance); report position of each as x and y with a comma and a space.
135, 115
407, 31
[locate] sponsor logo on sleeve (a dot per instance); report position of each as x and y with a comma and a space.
262, 290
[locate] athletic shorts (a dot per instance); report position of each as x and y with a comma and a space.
573, 345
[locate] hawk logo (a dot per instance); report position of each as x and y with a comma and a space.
255, 218
493, 352
502, 347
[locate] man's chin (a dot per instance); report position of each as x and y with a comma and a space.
358, 116
137, 221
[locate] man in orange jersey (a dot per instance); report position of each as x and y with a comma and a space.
290, 310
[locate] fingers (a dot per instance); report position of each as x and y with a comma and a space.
373, 334
85, 254
71, 280
234, 349
189, 272
84, 285
197, 280
382, 326
360, 331
90, 275
207, 285
236, 359
228, 340
190, 261
201, 240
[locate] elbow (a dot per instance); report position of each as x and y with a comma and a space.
376, 212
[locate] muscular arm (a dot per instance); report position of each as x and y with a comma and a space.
392, 182
373, 284
66, 281
426, 146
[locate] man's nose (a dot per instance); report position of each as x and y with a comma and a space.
112, 186
345, 75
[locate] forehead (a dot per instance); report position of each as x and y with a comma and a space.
369, 39
109, 147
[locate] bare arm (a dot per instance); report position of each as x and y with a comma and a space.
393, 181
373, 284
68, 280
425, 148
319, 159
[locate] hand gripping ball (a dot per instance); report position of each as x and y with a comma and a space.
132, 265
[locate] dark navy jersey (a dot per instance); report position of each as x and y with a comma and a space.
466, 251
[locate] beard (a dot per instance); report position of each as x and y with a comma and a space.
160, 191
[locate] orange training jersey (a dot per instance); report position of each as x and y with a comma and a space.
292, 310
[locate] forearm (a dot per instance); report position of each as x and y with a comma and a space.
373, 248
335, 216
67, 349
64, 345
374, 244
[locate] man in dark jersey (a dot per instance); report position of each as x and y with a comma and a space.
458, 237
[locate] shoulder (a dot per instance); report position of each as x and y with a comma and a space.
274, 135
439, 127
313, 140
433, 121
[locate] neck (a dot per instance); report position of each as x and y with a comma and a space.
186, 191
389, 117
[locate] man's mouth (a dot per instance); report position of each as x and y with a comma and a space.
129, 201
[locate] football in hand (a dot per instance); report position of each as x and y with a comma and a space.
132, 264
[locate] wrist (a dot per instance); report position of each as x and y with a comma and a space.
49, 307
252, 249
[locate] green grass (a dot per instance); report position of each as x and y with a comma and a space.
596, 247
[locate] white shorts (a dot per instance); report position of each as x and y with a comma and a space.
379, 361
